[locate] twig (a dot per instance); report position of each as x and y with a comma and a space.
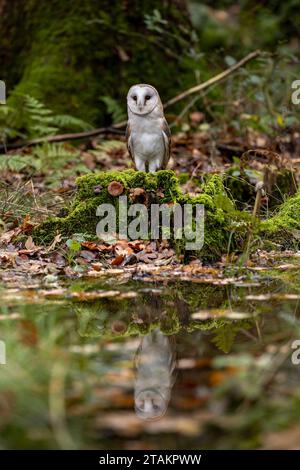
115, 129
255, 214
213, 80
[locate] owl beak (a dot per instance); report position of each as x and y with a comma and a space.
140, 105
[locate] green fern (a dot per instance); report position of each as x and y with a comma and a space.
45, 158
104, 151
66, 121
224, 337
155, 22
28, 117
16, 163
7, 128
114, 109
54, 156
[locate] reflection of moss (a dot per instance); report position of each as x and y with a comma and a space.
116, 318
96, 320
203, 296
289, 277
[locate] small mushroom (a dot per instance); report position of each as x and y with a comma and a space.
137, 194
118, 326
115, 188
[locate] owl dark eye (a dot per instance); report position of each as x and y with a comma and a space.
147, 97
134, 97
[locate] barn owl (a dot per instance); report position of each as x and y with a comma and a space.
148, 134
155, 363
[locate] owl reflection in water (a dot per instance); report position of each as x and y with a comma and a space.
148, 135
155, 363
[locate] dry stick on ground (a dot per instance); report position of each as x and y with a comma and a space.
116, 127
255, 214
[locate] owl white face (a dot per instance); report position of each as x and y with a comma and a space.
150, 405
142, 99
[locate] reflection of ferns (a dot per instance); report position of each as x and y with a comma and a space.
30, 116
225, 335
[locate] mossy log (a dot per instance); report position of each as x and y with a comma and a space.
278, 183
225, 228
284, 227
222, 224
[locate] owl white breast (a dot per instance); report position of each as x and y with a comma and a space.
155, 363
148, 135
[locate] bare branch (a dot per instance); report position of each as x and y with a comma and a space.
116, 128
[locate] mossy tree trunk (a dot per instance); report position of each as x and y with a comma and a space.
70, 53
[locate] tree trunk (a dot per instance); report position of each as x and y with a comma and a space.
71, 53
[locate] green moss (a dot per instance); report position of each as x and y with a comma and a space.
290, 278
284, 226
225, 228
71, 53
223, 224
115, 321
240, 184
164, 180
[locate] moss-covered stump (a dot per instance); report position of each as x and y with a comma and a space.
223, 225
284, 227
278, 183
225, 228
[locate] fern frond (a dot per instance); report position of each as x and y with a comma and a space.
224, 337
16, 163
66, 121
114, 109
30, 114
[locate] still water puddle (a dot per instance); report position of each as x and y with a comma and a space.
131, 365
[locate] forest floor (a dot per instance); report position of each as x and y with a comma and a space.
74, 312
39, 181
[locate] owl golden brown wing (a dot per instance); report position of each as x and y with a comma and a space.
167, 143
128, 141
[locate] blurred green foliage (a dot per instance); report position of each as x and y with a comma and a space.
80, 57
